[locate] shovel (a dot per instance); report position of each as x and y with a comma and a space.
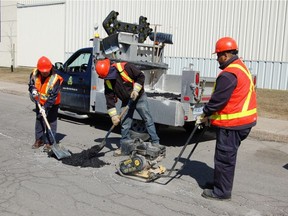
103, 143
58, 150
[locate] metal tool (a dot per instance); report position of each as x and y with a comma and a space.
58, 150
181, 152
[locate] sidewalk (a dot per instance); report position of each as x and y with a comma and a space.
270, 130
266, 129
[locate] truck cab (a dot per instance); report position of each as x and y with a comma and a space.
76, 73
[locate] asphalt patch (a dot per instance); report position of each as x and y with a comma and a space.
86, 158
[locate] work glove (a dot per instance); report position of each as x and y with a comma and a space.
115, 120
136, 89
134, 95
42, 111
201, 119
114, 116
34, 95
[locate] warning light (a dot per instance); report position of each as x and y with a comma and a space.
186, 98
196, 91
197, 78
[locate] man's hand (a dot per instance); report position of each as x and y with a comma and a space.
35, 94
201, 119
136, 89
115, 119
42, 111
134, 95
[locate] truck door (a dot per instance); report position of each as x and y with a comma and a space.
75, 94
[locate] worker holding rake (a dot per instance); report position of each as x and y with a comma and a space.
232, 111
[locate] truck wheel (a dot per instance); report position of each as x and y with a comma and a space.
138, 126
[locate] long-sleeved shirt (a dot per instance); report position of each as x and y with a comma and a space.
121, 89
225, 85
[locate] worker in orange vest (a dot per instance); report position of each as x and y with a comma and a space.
232, 110
44, 88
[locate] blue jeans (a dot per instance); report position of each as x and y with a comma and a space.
141, 106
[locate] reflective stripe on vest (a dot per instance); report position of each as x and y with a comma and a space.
246, 104
109, 85
234, 115
48, 84
123, 73
52, 80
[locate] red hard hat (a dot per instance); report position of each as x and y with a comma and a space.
44, 64
225, 44
102, 67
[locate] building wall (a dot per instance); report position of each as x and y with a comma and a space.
8, 33
59, 28
270, 74
259, 26
41, 29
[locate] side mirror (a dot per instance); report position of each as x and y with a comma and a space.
59, 66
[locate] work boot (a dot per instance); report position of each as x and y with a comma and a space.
161, 147
209, 194
38, 143
118, 153
47, 148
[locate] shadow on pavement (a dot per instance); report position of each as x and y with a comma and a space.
200, 171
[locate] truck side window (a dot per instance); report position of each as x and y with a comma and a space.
79, 64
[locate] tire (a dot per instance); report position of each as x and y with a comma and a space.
138, 126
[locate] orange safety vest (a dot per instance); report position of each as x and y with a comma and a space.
124, 74
241, 107
44, 88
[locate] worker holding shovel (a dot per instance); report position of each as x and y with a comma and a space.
125, 81
44, 88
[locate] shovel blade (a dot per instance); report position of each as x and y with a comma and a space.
101, 146
60, 152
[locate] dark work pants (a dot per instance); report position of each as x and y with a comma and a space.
40, 126
227, 144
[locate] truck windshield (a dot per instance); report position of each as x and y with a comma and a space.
80, 63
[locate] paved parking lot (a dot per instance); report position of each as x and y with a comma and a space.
31, 183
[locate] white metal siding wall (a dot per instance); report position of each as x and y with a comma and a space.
259, 26
40, 32
270, 75
8, 33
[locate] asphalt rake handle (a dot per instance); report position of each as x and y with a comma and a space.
182, 151
58, 150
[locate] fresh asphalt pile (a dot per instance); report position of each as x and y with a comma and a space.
86, 158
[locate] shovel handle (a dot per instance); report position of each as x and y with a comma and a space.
120, 116
44, 117
47, 123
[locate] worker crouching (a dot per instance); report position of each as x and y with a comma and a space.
126, 82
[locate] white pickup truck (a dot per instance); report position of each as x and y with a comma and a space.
174, 100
